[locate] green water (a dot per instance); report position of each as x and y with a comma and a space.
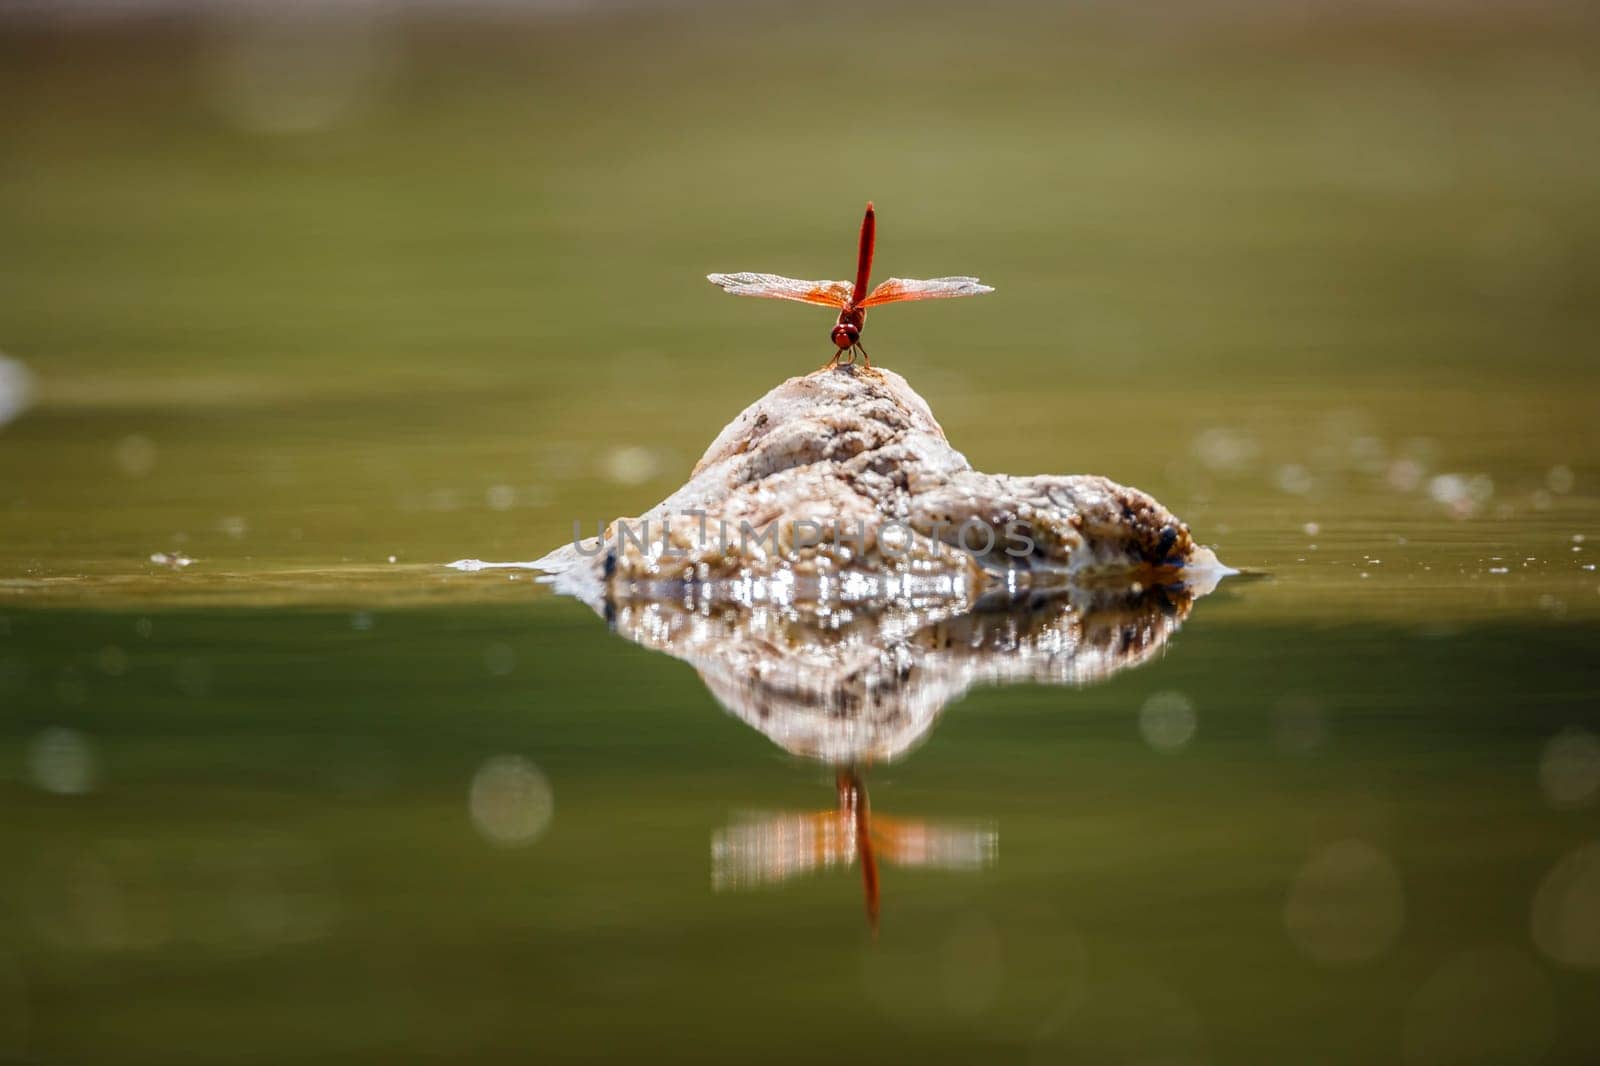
1323, 287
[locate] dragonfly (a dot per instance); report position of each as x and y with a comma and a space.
851, 300
767, 850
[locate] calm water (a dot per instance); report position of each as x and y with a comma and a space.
315, 796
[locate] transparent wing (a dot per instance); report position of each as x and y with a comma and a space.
896, 289
776, 287
940, 845
761, 850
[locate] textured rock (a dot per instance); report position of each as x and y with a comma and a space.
841, 485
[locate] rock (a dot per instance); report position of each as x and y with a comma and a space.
840, 485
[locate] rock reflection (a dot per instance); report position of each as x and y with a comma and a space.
858, 684
865, 684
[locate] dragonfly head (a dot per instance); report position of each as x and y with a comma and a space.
847, 331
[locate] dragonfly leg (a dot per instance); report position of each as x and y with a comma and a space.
865, 357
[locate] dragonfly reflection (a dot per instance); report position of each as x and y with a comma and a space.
763, 850
857, 685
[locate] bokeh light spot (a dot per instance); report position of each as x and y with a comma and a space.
61, 761
135, 455
1566, 910
16, 389
1168, 721
510, 801
1346, 904
296, 66
1569, 770
631, 465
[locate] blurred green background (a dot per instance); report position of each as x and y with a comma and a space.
344, 275
323, 296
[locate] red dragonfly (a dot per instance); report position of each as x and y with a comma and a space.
774, 848
852, 301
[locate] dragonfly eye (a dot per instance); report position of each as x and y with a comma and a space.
845, 336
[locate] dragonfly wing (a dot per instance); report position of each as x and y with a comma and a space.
896, 289
944, 846
776, 287
764, 850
